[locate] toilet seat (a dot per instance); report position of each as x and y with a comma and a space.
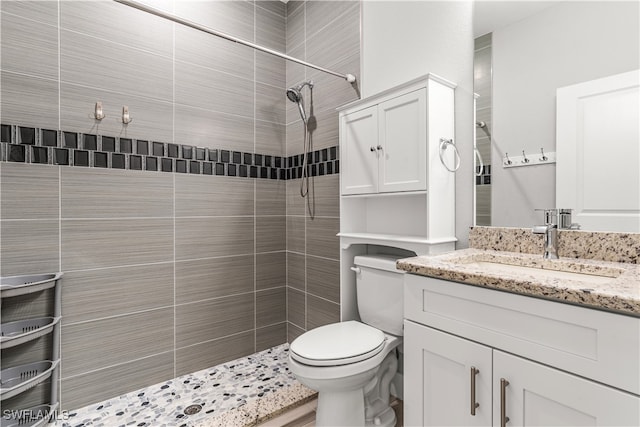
337, 344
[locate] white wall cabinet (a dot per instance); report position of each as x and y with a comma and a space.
395, 190
539, 363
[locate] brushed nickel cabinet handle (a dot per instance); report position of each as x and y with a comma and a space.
474, 404
503, 402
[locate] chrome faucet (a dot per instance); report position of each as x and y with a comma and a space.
550, 231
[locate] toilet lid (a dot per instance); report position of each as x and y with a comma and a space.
337, 344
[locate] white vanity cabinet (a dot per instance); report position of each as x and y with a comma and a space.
532, 361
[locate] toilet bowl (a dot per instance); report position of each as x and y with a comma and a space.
351, 363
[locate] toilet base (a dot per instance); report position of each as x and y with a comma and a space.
340, 409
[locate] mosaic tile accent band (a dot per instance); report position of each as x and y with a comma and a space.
485, 177
54, 147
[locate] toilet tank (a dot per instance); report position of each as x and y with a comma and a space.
380, 292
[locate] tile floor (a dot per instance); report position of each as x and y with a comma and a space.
241, 392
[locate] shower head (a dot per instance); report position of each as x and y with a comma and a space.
481, 124
295, 95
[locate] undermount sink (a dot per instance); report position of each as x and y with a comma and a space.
546, 269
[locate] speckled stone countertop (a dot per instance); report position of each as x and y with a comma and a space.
618, 292
258, 411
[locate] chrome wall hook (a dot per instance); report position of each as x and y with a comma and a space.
507, 160
525, 159
98, 112
544, 158
126, 118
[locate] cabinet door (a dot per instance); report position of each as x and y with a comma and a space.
403, 143
359, 157
541, 396
437, 381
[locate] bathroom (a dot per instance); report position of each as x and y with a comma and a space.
208, 269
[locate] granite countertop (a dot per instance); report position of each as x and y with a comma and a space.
617, 288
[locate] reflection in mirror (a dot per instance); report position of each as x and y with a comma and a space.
524, 52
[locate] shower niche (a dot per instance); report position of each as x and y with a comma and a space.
398, 159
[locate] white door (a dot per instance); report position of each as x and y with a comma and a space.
439, 382
403, 143
358, 151
537, 395
598, 152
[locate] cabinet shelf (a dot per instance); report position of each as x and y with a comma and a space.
15, 333
18, 379
21, 285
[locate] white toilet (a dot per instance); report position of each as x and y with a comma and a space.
351, 364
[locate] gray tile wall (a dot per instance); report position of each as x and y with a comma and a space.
164, 274
326, 33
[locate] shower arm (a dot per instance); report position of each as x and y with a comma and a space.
134, 4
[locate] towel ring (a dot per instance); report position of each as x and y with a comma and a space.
444, 143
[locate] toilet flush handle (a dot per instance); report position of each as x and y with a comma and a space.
356, 269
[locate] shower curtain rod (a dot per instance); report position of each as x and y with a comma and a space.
348, 77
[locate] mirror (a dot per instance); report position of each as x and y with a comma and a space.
524, 52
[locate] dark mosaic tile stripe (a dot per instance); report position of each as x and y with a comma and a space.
58, 147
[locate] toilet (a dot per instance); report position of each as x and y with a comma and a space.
352, 364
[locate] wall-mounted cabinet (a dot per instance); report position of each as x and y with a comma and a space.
396, 186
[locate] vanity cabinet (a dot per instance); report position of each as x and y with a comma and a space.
536, 362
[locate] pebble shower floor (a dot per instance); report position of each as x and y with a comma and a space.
217, 390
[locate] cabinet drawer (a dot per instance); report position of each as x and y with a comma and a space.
598, 345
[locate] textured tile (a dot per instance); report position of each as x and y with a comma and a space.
32, 397
327, 130
27, 306
296, 267
270, 70
95, 294
29, 101
90, 244
326, 192
271, 270
271, 336
321, 237
295, 26
295, 133
222, 55
29, 247
29, 191
296, 307
120, 24
41, 11
270, 138
211, 353
98, 63
206, 128
321, 312
293, 332
295, 74
271, 306
29, 47
295, 234
212, 319
323, 278
231, 17
98, 344
106, 383
108, 193
333, 31
270, 197
212, 237
271, 233
296, 204
270, 30
213, 278
274, 6
270, 103
220, 196
213, 90
153, 119
29, 352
